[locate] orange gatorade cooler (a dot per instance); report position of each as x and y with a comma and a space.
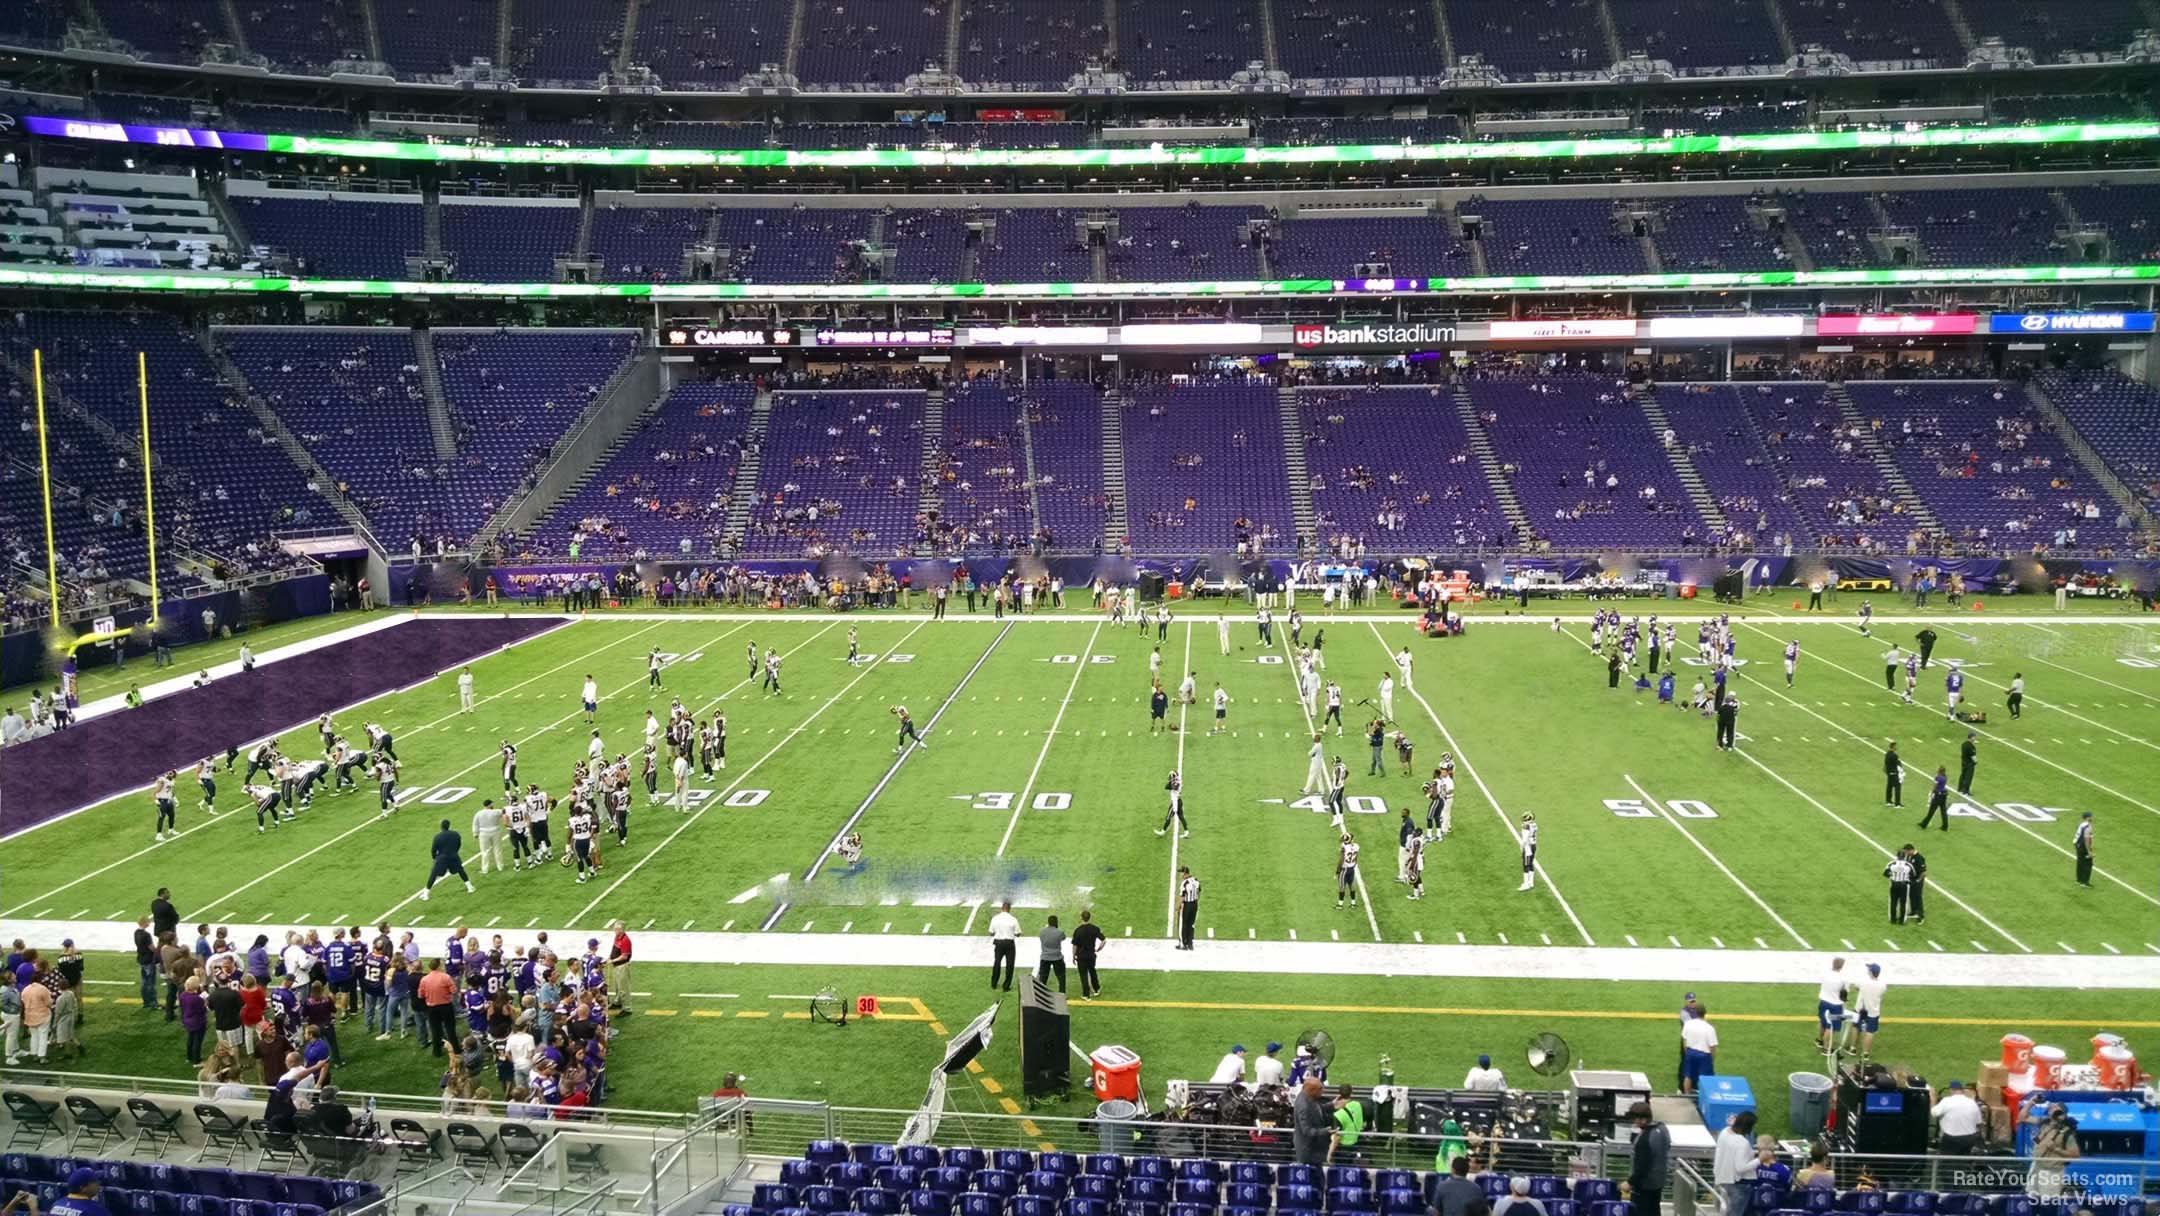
2047, 1064
2016, 1053
2101, 1042
1114, 1072
2118, 1067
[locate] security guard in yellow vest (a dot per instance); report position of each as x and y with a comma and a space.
1349, 1123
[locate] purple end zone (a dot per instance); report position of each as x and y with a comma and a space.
126, 750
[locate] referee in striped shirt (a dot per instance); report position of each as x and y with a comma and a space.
1188, 906
1899, 872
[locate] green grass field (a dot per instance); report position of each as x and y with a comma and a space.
1042, 783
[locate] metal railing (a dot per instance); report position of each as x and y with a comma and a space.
782, 1130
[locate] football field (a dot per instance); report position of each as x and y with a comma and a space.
1041, 781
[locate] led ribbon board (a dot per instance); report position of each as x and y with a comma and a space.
222, 282
1142, 156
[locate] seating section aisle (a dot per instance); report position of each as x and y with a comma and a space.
1204, 468
840, 472
982, 472
1987, 463
1823, 464
513, 394
667, 488
1585, 465
1392, 467
1065, 429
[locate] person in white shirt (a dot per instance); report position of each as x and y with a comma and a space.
1733, 1164
1004, 932
1485, 1077
1222, 633
12, 727
1698, 1048
1222, 711
1268, 1069
298, 962
487, 829
590, 696
519, 1049
1316, 774
464, 691
1230, 1070
1960, 1120
1403, 662
1830, 1004
1387, 697
1867, 1007
682, 783
1188, 689
596, 750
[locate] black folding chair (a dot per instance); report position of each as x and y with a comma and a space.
98, 1124
33, 1120
224, 1137
331, 1156
156, 1128
415, 1146
470, 1147
520, 1144
280, 1150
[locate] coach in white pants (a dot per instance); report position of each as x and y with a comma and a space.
487, 826
1316, 775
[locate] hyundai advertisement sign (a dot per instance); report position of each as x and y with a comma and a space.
2050, 323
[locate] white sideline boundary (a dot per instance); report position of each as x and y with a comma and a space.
298, 648
1242, 613
1246, 957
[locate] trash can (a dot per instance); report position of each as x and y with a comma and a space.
1113, 1124
1809, 1106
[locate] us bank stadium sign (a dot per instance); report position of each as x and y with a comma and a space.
2070, 323
1320, 337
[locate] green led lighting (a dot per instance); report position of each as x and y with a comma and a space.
1144, 156
213, 282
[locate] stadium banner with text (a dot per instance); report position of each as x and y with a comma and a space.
1331, 336
205, 282
1670, 328
880, 337
1562, 331
1776, 142
2070, 322
1898, 325
690, 337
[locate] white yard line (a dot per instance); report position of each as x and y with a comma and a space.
372, 820
744, 775
1020, 804
2095, 679
1921, 773
1470, 771
1745, 889
315, 643
1170, 926
1372, 919
1988, 734
236, 816
879, 788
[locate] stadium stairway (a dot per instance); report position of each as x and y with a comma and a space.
1787, 48
1027, 454
1443, 32
431, 219
615, 414
438, 406
930, 492
746, 471
1892, 476
1691, 478
2089, 460
1293, 429
1496, 478
1119, 520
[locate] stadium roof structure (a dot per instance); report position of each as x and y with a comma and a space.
1144, 156
226, 283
